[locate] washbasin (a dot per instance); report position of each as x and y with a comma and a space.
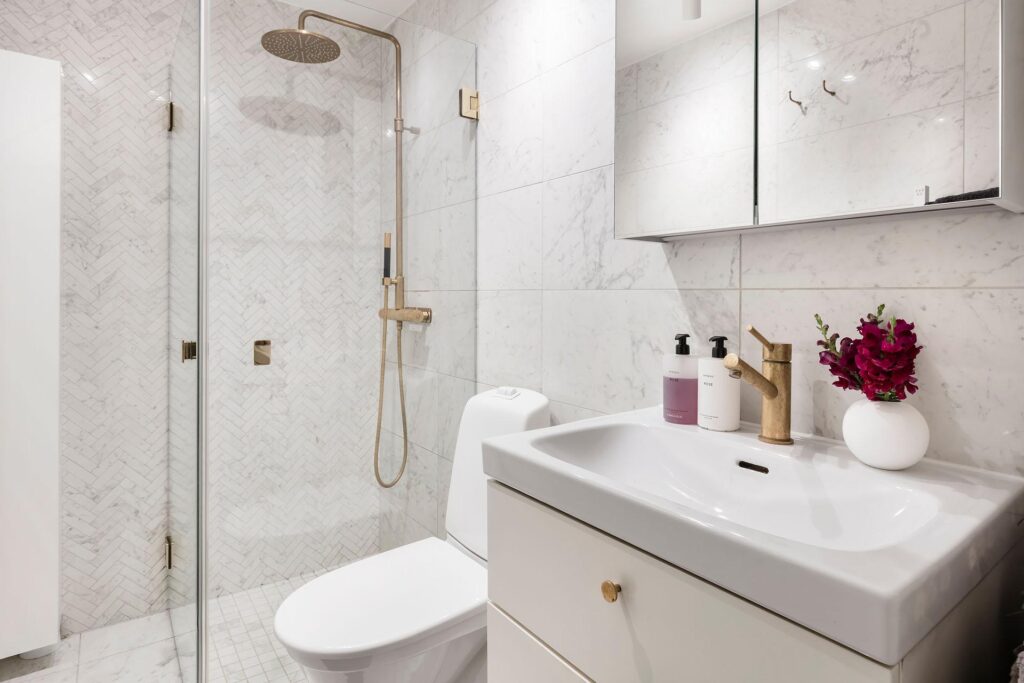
811, 500
869, 558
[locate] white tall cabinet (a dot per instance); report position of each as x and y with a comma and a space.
30, 182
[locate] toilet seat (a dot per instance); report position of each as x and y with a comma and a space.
392, 605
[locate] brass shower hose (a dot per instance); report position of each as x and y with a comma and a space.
380, 399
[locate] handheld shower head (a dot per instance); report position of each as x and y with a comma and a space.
300, 45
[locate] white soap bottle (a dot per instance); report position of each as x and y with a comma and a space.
718, 391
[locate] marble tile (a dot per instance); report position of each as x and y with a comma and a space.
440, 248
128, 635
509, 338
64, 657
807, 27
981, 55
908, 68
959, 248
564, 413
65, 675
415, 495
711, 58
183, 619
924, 148
581, 252
685, 126
454, 15
572, 27
510, 143
509, 36
981, 142
440, 167
768, 41
974, 407
675, 198
156, 663
609, 358
579, 113
448, 344
448, 66
420, 405
452, 395
625, 90
509, 239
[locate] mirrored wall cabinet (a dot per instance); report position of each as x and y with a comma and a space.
737, 114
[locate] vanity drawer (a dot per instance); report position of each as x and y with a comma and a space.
514, 656
546, 571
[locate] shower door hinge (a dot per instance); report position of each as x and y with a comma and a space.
170, 116
168, 552
469, 103
189, 350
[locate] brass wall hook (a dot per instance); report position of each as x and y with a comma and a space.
825, 88
796, 102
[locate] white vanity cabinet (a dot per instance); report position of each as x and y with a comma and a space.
549, 620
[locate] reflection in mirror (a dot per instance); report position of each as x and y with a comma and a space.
684, 122
876, 105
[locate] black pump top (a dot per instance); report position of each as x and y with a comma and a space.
719, 350
682, 348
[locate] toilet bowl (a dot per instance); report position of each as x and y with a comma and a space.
415, 613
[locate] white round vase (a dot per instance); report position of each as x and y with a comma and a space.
887, 435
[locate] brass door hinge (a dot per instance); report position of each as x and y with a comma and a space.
170, 116
189, 350
469, 103
168, 552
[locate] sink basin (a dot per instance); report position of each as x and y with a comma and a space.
870, 558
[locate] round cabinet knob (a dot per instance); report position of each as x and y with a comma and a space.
610, 590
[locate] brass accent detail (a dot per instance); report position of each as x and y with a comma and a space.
168, 552
610, 590
412, 314
469, 104
261, 352
170, 116
775, 382
189, 350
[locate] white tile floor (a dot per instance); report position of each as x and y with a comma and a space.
160, 648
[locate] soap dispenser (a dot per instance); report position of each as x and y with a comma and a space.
718, 391
679, 384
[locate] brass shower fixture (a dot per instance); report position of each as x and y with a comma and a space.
307, 47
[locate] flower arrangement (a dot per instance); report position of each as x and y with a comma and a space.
880, 364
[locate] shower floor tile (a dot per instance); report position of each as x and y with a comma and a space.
243, 648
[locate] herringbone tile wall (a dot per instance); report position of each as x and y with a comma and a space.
294, 229
115, 55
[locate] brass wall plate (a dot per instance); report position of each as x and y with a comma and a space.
189, 350
469, 103
261, 352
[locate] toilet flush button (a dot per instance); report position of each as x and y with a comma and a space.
507, 393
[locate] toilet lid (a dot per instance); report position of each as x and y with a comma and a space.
383, 602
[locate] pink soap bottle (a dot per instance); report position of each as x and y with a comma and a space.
679, 384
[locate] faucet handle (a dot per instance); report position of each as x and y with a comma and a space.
773, 351
761, 338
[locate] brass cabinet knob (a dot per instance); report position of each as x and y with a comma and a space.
610, 590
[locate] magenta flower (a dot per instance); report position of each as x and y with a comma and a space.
880, 364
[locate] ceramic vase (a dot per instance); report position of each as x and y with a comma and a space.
887, 435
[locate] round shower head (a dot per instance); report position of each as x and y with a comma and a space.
299, 45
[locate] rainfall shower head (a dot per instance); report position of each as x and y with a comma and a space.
300, 45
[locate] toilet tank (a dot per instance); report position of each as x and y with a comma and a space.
504, 410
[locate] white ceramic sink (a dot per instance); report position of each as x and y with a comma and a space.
870, 558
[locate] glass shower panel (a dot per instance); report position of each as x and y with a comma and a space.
301, 188
183, 329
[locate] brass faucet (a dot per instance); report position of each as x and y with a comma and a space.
775, 385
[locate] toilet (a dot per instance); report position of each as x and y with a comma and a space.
416, 613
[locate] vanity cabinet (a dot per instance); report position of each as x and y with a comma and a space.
551, 619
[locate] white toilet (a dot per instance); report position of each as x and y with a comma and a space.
415, 614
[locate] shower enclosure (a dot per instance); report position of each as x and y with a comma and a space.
224, 213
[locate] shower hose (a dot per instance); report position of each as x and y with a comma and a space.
380, 399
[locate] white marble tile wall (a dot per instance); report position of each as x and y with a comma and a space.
114, 371
294, 202
440, 269
589, 327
